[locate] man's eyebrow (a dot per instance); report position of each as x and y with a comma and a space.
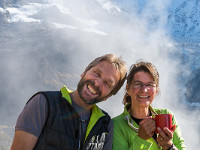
137, 81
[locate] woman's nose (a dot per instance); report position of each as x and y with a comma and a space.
144, 88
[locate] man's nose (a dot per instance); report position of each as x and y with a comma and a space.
99, 82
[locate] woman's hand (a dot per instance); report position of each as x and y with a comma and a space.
165, 136
147, 127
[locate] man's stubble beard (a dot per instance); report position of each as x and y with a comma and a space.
80, 86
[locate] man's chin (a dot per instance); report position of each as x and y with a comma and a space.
91, 102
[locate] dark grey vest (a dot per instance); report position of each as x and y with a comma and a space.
62, 129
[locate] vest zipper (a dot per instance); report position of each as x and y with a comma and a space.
80, 129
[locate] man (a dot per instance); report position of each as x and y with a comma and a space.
68, 120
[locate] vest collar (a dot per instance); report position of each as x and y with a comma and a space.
96, 111
96, 114
65, 94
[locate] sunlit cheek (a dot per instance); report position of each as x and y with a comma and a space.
105, 90
135, 90
154, 93
109, 91
153, 90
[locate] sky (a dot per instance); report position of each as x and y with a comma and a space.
48, 44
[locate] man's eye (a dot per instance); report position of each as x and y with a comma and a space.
97, 74
106, 84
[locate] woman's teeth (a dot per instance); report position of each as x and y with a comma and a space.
143, 96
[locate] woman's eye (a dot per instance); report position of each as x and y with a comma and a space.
137, 84
150, 85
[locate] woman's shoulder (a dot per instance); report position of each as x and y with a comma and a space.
120, 119
162, 111
120, 123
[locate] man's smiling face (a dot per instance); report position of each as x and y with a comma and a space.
97, 83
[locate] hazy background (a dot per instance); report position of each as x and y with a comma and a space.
47, 44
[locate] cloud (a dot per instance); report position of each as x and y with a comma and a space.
47, 44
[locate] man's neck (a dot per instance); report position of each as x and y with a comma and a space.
76, 99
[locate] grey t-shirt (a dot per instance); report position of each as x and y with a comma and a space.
34, 115
85, 117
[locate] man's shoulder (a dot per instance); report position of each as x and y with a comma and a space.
105, 112
46, 94
99, 111
49, 93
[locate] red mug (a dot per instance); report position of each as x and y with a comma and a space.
163, 120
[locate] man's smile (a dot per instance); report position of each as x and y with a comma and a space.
91, 89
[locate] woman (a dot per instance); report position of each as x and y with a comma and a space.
135, 129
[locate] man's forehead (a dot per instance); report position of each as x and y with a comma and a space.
108, 69
105, 66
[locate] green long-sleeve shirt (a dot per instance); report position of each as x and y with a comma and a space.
126, 137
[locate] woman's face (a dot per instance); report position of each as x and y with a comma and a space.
142, 89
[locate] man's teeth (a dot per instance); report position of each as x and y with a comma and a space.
91, 89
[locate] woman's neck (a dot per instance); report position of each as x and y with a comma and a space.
139, 113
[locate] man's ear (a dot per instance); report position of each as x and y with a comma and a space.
82, 74
107, 97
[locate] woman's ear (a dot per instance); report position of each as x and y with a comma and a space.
157, 91
127, 90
